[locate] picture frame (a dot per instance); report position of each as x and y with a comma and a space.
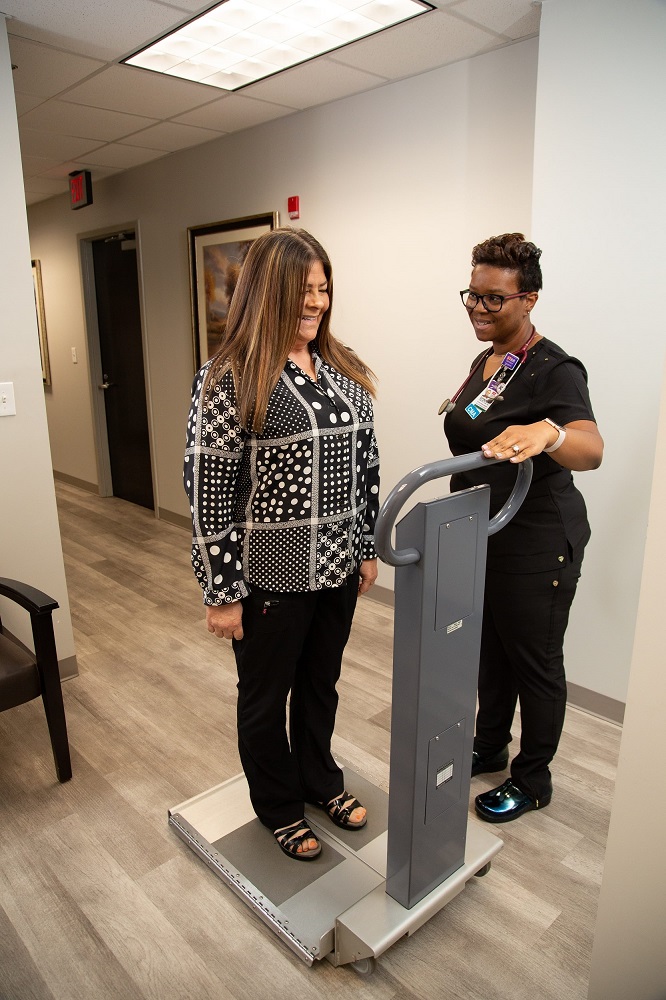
41, 321
216, 253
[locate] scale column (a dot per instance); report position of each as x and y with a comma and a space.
438, 615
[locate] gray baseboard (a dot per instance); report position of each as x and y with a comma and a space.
595, 704
382, 595
180, 520
68, 668
62, 477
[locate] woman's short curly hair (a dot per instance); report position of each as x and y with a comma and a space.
513, 252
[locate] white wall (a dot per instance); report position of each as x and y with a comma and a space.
629, 958
29, 535
398, 184
600, 163
600, 214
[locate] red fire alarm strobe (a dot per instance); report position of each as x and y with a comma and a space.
80, 188
294, 207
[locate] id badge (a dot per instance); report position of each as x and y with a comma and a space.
510, 361
485, 399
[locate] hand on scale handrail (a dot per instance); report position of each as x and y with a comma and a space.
408, 485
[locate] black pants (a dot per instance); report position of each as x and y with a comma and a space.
524, 620
292, 642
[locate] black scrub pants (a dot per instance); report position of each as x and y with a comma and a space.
524, 620
292, 643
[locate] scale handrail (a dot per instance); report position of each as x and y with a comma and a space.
408, 485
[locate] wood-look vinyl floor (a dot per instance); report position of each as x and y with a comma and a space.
99, 900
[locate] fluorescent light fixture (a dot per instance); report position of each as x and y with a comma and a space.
237, 42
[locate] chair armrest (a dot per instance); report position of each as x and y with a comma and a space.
33, 600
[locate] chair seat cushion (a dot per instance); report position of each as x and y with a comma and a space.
19, 679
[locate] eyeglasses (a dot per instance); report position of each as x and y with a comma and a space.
491, 303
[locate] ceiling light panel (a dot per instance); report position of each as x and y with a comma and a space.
238, 42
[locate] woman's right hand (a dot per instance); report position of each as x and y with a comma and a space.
225, 620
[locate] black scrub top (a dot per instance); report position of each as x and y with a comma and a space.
551, 527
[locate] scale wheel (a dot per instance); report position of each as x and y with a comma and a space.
483, 871
364, 966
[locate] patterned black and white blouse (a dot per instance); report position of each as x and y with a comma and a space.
291, 509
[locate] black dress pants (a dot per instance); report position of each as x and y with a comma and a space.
292, 643
524, 620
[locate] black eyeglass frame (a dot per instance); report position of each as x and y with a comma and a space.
482, 299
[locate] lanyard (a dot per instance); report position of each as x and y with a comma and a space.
510, 364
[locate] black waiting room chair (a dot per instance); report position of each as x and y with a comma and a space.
24, 676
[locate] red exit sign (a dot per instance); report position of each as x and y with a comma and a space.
80, 188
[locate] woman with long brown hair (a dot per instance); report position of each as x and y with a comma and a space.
282, 473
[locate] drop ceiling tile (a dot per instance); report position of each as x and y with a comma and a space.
514, 18
140, 92
313, 83
45, 186
33, 197
33, 166
45, 72
80, 120
65, 147
25, 103
233, 113
116, 155
106, 30
62, 171
425, 43
170, 136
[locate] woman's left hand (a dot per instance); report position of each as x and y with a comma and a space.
582, 448
520, 441
367, 575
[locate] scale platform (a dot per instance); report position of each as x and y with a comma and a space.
334, 907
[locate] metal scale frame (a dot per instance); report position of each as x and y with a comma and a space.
368, 888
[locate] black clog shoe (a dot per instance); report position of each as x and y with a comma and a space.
507, 802
485, 764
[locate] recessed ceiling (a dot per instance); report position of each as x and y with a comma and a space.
79, 108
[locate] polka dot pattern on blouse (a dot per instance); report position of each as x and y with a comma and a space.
292, 509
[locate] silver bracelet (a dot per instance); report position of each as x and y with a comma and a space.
561, 434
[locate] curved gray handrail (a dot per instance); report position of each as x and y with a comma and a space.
408, 485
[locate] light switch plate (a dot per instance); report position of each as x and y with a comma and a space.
7, 402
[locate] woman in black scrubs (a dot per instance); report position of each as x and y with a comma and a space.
525, 398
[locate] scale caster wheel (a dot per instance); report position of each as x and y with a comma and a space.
483, 871
364, 966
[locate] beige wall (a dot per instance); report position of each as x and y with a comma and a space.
600, 163
629, 957
395, 183
600, 214
29, 536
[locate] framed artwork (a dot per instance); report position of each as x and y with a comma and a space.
41, 321
217, 252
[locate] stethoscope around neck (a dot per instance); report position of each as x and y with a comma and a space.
449, 404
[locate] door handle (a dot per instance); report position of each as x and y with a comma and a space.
105, 384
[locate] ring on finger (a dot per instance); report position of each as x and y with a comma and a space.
516, 448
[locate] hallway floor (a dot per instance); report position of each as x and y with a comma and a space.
99, 900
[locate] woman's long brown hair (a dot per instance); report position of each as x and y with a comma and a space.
263, 320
